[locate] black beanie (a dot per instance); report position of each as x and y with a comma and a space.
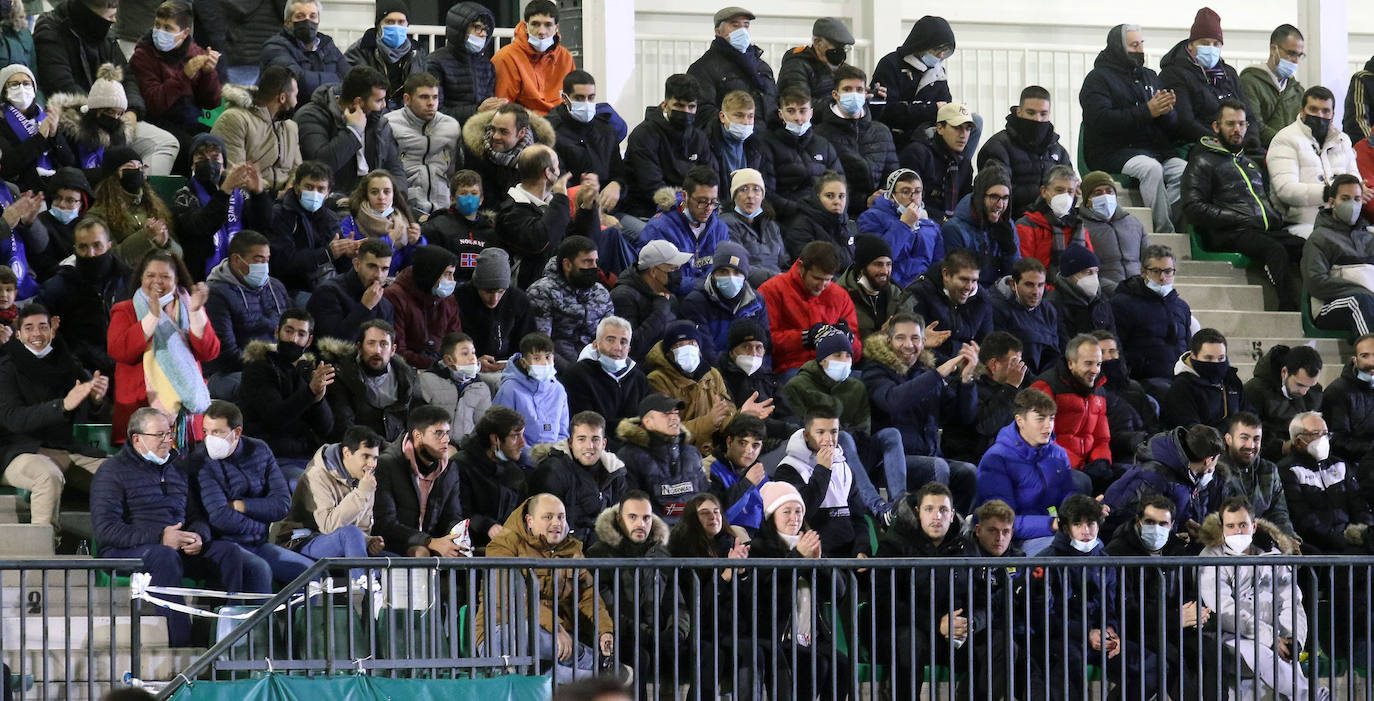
868, 248
742, 330
429, 263
116, 156
386, 7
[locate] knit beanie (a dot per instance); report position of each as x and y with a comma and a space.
1075, 259
116, 156
742, 330
740, 178
386, 7
107, 90
732, 255
8, 72
1206, 25
868, 248
775, 494
429, 263
679, 331
1096, 179
832, 342
492, 271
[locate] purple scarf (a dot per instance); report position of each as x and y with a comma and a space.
233, 223
23, 127
18, 256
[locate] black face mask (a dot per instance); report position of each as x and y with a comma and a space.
1031, 131
675, 281
679, 120
1211, 373
95, 268
290, 352
583, 278
1319, 126
108, 123
208, 172
305, 31
131, 180
836, 56
1137, 57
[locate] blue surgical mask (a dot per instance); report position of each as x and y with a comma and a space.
798, 129
312, 200
1286, 68
542, 373
1154, 536
750, 215
153, 458
852, 103
730, 285
612, 365
257, 274
838, 370
931, 60
385, 212
166, 299
393, 35
476, 43
1364, 377
1162, 290
541, 45
740, 39
66, 216
1104, 205
468, 204
739, 132
1208, 56
687, 358
1083, 547
165, 40
444, 288
582, 111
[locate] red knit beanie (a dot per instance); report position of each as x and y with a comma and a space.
1206, 25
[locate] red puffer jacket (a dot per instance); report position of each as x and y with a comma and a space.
792, 310
421, 319
1081, 426
1036, 234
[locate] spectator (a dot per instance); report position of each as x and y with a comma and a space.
1250, 476
385, 48
1330, 511
375, 212
29, 134
1226, 198
582, 473
495, 313
815, 68
332, 506
528, 386
1077, 296
374, 384
310, 56
729, 137
534, 220
255, 127
981, 225
346, 302
338, 129
287, 384
306, 240
660, 457
136, 216
897, 215
1132, 414
168, 319
944, 161
42, 393
1273, 90
827, 381
1285, 385
429, 142
1205, 389
1179, 465
664, 146
1152, 319
217, 203
823, 217
1008, 593
1028, 148
1051, 223
1130, 124
1117, 237
999, 377
794, 157
1304, 156
177, 76
530, 69
84, 294
1341, 301
648, 293
1019, 308
1075, 383
802, 299
951, 302
721, 298
16, 41
1200, 79
69, 195
467, 79
422, 301
605, 380
490, 480
452, 384
1359, 104
863, 144
26, 241
244, 305
817, 467
1348, 404
462, 227
915, 78
692, 227
417, 503
752, 224
569, 300
587, 142
733, 62
736, 473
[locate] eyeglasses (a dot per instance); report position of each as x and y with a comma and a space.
1162, 271
703, 202
161, 437
905, 191
1001, 199
1315, 435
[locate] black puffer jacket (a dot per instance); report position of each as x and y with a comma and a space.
946, 176
667, 467
300, 244
1265, 393
364, 52
1117, 125
592, 147
1153, 329
1077, 312
1199, 93
1028, 149
803, 69
791, 164
283, 411
1225, 191
646, 597
659, 156
465, 78
1348, 406
722, 70
586, 491
866, 151
648, 312
489, 490
1193, 400
1324, 497
935, 596
812, 222
325, 137
911, 107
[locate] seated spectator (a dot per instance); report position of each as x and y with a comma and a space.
863, 144
22, 239
1205, 389
829, 380
69, 195
307, 246
1075, 383
244, 305
385, 48
803, 299
1029, 148
1019, 308
1306, 155
1132, 414
467, 80
1273, 90
587, 142
817, 467
794, 157
530, 69
1200, 79
533, 221
141, 507
495, 313
42, 393
452, 384
34, 145
582, 473
815, 68
1007, 616
1152, 320
177, 76
869, 283
1179, 465
898, 216
1077, 297
168, 319
1330, 512
605, 379
490, 478
915, 78
528, 386
344, 303
255, 127
951, 303
138, 220
463, 227
494, 142
1029, 471
999, 377
1348, 404
311, 56
721, 298
373, 386
375, 212
665, 146
1285, 385
729, 137
338, 128
1251, 477
1051, 223
745, 363
417, 502
733, 63
660, 457
430, 141
287, 385
944, 161
570, 300
1340, 300
982, 225
332, 506
677, 370
1117, 237
752, 224
823, 217
736, 473
692, 227
84, 294
216, 204
422, 301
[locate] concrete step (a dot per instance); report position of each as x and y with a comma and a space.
159, 663
1178, 243
1240, 298
33, 578
56, 601
1237, 278
1261, 324
25, 540
84, 631
1145, 217
13, 509
1213, 268
1254, 346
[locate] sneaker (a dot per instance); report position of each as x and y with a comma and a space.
623, 673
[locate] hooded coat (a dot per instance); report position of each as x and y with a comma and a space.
648, 598
400, 519
791, 165
1030, 479
495, 332
966, 322
1154, 330
241, 314
465, 400
700, 389
740, 498
1194, 400
489, 489
497, 179
674, 227
834, 511
811, 387
811, 221
659, 156
466, 79
995, 244
1261, 483
1226, 192
1037, 328
1027, 149
325, 65
1086, 599
252, 135
543, 404
530, 77
668, 468
913, 90
802, 68
71, 43
197, 225
327, 498
283, 411
1117, 125
365, 52
422, 319
914, 250
996, 409
326, 137
946, 176
865, 148
792, 311
1266, 393
1117, 241
1257, 604
1081, 425
1324, 497
586, 490
1348, 406
169, 96
713, 316
1163, 469
723, 69
915, 399
1199, 93
430, 153
349, 398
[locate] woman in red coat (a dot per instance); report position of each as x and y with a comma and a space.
425, 309
158, 340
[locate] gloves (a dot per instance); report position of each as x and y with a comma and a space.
813, 334
1102, 474
1354, 533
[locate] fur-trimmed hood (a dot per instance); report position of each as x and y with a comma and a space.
332, 350
475, 131
878, 348
608, 532
609, 461
70, 108
633, 431
258, 350
238, 95
1267, 536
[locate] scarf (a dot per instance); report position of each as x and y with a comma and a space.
9, 315
233, 223
26, 128
747, 62
423, 483
170, 371
18, 258
506, 159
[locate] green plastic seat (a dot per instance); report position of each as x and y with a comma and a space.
208, 117
96, 436
1310, 329
1124, 180
864, 669
166, 186
1200, 252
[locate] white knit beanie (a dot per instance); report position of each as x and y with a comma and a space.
107, 90
8, 72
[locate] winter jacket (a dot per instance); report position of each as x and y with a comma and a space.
790, 166
1265, 393
1081, 425
133, 500
463, 237
421, 319
400, 520
590, 147
966, 322
248, 27
802, 68
241, 314
352, 402
1086, 599
740, 499
466, 79
32, 391
934, 597
1031, 480
1117, 243
765, 384
495, 332
16, 44
713, 315
338, 308
327, 498
792, 311
1226, 193
996, 409
700, 390
586, 490
1037, 328
530, 77
430, 153
722, 69
914, 399
530, 231
543, 404
1153, 592
1359, 103
674, 227
1275, 107
913, 249
811, 388
1152, 329
1299, 169
313, 69
252, 135
250, 474
648, 600
592, 388
465, 400
1192, 400
198, 225
865, 148
913, 90
84, 306
21, 166
873, 310
283, 411
1077, 312
326, 137
834, 508
168, 95
1334, 243
667, 467
659, 156
1132, 413
1199, 92
127, 344
1256, 604
1117, 125
301, 258
1044, 237
70, 43
489, 489
810, 221
1324, 497
1163, 470
946, 177
1348, 406
566, 314
1364, 160
365, 52
1027, 149
731, 154
762, 240
1261, 483
995, 245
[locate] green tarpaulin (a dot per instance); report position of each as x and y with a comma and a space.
355, 687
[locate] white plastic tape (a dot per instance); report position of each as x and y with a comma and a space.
140, 588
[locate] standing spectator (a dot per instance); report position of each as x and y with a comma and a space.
177, 76
998, 379
1304, 156
729, 136
915, 78
587, 142
647, 294
803, 299
16, 41
418, 494
723, 297
495, 313
1273, 89
1285, 385
692, 227
217, 203
138, 219
29, 134
84, 293
660, 456
582, 473
1117, 237
1349, 404
1250, 476
898, 216
982, 225
341, 127
794, 157
823, 216
570, 300
1329, 509
312, 57
530, 69
244, 305
1359, 104
1051, 223
463, 227
1205, 389
752, 224
605, 379
343, 304
1028, 148
819, 469
665, 146
467, 80
1019, 308
944, 161
255, 127
1077, 297
429, 143
534, 218
1152, 320
1075, 385
422, 301
815, 68
386, 48
373, 386
528, 386
947, 297
733, 62
1200, 79
1340, 237
863, 144
307, 247
452, 383
287, 383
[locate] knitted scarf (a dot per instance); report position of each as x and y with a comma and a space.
170, 371
506, 159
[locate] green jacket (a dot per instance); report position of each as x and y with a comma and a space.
812, 387
864, 305
1276, 109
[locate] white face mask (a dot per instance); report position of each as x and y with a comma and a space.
542, 373
1083, 547
687, 358
1154, 536
218, 448
838, 370
1320, 448
40, 353
612, 365
1061, 203
1239, 543
1206, 479
21, 96
1090, 285
467, 371
750, 364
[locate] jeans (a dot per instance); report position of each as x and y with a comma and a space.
286, 565
243, 75
292, 469
961, 478
501, 640
1159, 186
867, 492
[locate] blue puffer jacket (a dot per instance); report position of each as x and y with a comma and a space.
1153, 330
250, 474
1163, 470
1038, 328
132, 500
970, 321
543, 404
912, 251
672, 226
240, 314
1031, 480
713, 315
914, 399
997, 250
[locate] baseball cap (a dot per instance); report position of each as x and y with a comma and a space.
954, 114
658, 252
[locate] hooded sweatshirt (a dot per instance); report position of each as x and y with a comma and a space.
530, 77
913, 89
241, 314
543, 404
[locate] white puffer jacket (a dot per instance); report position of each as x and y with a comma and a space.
1299, 170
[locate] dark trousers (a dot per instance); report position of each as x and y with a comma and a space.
1276, 251
1126, 671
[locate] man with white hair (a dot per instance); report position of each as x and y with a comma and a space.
1324, 500
605, 379
312, 57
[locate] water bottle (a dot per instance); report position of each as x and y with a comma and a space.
84, 548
